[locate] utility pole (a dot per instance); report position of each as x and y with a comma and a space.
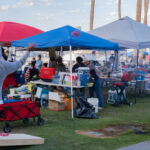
92, 14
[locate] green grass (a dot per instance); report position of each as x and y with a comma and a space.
59, 128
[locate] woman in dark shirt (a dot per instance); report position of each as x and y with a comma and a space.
79, 63
96, 87
60, 67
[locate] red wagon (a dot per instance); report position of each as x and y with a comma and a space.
17, 111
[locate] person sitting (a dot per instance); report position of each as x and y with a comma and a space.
33, 60
79, 63
60, 67
45, 65
31, 72
39, 62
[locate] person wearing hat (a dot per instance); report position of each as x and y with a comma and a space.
96, 80
7, 68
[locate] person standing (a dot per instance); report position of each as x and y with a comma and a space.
60, 67
96, 86
7, 68
39, 62
79, 63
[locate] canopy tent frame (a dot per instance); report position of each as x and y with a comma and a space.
67, 38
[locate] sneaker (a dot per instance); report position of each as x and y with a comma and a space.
100, 108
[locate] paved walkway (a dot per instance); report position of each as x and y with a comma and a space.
140, 146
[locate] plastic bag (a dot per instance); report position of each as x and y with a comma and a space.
84, 109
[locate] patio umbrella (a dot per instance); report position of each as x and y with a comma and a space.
15, 31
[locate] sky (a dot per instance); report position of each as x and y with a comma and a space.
51, 14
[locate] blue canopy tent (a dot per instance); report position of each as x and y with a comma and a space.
69, 38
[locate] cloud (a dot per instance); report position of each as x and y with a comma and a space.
4, 7
45, 2
23, 3
38, 14
59, 4
87, 3
112, 14
111, 2
29, 4
44, 16
75, 11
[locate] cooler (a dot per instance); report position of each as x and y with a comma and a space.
47, 73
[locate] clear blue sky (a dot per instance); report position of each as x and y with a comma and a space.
50, 14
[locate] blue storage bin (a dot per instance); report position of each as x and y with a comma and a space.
11, 100
140, 75
83, 75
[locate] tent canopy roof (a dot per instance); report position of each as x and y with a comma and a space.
126, 32
67, 36
15, 31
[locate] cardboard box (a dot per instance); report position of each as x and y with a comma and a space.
56, 105
54, 96
69, 103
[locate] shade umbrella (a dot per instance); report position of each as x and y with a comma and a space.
10, 31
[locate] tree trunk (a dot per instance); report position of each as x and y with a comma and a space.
92, 14
52, 52
146, 3
138, 18
119, 9
138, 10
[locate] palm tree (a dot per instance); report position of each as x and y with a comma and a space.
119, 9
92, 14
138, 18
138, 10
146, 3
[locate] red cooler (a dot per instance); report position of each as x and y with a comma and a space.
47, 73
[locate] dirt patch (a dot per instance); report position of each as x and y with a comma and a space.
111, 130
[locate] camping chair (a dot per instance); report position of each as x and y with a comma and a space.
120, 88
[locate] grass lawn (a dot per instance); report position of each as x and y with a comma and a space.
59, 128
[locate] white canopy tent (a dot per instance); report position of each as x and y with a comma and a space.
126, 32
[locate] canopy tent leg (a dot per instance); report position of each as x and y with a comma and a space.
137, 63
116, 62
61, 51
105, 55
70, 49
136, 79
